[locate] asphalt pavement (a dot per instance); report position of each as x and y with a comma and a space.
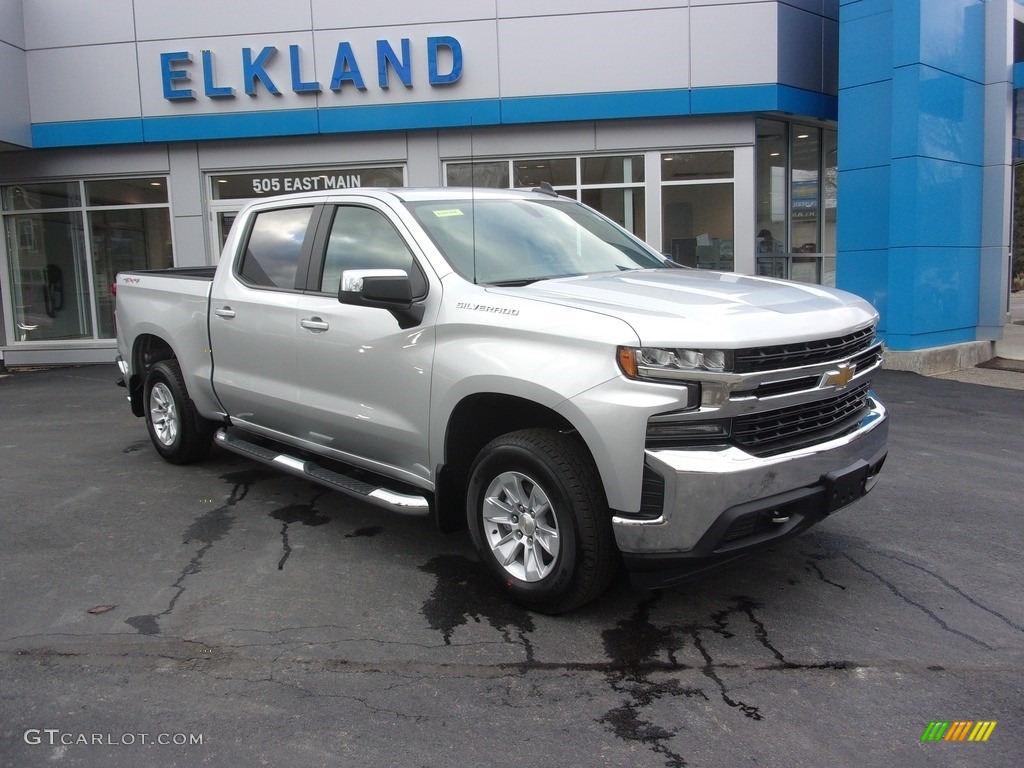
223, 614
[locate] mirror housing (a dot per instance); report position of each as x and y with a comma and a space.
389, 289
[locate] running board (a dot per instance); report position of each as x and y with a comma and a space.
402, 503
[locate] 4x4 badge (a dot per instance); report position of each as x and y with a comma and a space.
841, 377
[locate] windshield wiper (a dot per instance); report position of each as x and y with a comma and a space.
530, 280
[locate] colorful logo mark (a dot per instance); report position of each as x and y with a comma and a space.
958, 730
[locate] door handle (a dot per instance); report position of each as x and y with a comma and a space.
314, 324
226, 312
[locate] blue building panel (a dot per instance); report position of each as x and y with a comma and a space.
866, 273
85, 133
296, 122
928, 144
871, 31
863, 209
934, 203
937, 115
938, 290
944, 34
869, 106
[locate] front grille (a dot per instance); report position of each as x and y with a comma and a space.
787, 429
756, 359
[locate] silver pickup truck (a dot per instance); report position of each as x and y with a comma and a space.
514, 363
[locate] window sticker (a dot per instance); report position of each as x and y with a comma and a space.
447, 212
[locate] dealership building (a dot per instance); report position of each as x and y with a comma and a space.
867, 144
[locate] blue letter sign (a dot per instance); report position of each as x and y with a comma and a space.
403, 67
254, 70
297, 84
211, 90
346, 68
434, 44
170, 75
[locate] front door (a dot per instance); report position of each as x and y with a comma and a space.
365, 381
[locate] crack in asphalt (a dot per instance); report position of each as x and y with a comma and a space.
837, 545
208, 528
297, 513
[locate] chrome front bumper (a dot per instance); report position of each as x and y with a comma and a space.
708, 491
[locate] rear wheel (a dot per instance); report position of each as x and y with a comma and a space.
178, 432
539, 520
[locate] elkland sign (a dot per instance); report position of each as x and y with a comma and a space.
179, 69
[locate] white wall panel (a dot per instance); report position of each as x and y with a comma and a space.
187, 190
83, 161
331, 14
509, 9
190, 249
12, 23
89, 83
56, 23
592, 54
734, 44
479, 75
309, 152
523, 140
14, 112
162, 20
675, 133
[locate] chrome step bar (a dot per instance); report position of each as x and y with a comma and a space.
394, 501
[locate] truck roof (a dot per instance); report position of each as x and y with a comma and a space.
415, 194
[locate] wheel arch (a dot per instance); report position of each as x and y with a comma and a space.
147, 350
474, 422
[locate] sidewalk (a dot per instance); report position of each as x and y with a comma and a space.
1007, 368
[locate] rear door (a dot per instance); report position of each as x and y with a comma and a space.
253, 320
364, 380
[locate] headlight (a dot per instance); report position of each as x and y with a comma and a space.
662, 364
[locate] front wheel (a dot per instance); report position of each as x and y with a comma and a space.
539, 519
178, 432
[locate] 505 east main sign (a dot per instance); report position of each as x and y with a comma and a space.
443, 59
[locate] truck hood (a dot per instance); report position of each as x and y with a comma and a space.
671, 307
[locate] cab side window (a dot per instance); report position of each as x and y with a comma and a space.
362, 238
272, 254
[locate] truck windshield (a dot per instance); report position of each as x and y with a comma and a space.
517, 242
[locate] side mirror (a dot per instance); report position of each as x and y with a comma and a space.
389, 289
383, 288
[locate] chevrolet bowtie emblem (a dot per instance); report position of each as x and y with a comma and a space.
841, 377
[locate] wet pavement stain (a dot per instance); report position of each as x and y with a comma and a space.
463, 593
368, 532
135, 447
643, 657
297, 513
636, 649
207, 529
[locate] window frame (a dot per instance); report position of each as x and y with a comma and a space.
321, 238
302, 265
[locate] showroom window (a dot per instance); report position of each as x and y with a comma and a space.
65, 243
796, 201
613, 185
698, 212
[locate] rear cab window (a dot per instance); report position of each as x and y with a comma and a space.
274, 248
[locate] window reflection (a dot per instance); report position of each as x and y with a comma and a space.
66, 242
49, 276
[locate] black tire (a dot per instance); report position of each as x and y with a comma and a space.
547, 573
178, 432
